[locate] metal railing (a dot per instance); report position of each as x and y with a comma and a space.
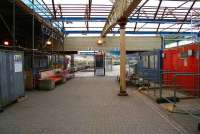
170, 84
174, 83
171, 89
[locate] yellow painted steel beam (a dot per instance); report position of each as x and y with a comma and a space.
121, 10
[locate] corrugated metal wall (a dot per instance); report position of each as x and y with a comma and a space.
177, 60
11, 76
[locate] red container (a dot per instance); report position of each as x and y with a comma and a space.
183, 59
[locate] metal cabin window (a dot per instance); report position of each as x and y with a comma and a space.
156, 62
146, 61
152, 62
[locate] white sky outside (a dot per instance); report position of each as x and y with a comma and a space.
130, 26
180, 43
107, 2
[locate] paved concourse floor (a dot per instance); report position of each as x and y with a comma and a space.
88, 105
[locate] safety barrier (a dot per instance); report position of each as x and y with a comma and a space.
172, 97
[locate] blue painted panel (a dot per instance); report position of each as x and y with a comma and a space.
148, 72
130, 32
103, 19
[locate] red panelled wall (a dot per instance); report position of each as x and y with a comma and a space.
177, 60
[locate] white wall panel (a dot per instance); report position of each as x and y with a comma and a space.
132, 43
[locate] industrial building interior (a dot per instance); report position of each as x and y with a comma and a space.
99, 67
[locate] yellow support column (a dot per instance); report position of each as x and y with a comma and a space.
123, 91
